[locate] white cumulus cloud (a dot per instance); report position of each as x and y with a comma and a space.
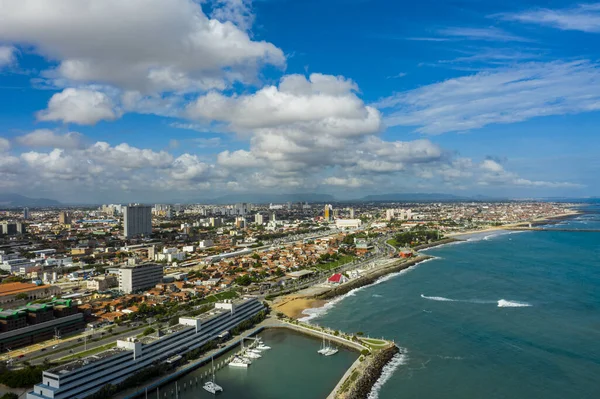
140, 45
49, 138
81, 106
7, 55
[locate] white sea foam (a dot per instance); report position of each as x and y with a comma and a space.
503, 303
438, 298
377, 296
313, 313
386, 373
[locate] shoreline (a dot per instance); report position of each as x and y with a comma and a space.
534, 222
294, 306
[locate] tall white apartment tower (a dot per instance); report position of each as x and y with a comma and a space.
137, 220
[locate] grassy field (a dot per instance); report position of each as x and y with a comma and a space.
219, 297
392, 242
332, 265
374, 343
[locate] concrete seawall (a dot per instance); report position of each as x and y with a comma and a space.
370, 278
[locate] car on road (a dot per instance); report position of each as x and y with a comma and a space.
55, 346
43, 349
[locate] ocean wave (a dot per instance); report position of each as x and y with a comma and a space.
313, 313
386, 373
503, 303
377, 296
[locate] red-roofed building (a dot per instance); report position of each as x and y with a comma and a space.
337, 278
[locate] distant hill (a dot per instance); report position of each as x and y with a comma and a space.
413, 197
257, 198
16, 200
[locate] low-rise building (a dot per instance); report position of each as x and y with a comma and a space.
13, 293
102, 283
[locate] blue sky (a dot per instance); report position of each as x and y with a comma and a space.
173, 99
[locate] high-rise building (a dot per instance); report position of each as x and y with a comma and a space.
7, 228
240, 222
258, 219
336, 213
25, 213
328, 211
133, 278
273, 217
64, 217
137, 220
215, 222
351, 213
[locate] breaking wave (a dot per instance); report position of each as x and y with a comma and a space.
388, 370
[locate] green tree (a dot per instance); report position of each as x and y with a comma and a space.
148, 331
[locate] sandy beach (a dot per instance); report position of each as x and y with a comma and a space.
538, 221
293, 305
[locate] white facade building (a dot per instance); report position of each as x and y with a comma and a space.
133, 278
347, 223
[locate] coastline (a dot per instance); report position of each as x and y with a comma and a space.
534, 222
294, 306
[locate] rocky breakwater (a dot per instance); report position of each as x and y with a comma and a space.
370, 278
360, 384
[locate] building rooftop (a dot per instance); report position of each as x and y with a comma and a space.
16, 288
68, 367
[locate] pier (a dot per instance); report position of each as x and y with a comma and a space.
373, 355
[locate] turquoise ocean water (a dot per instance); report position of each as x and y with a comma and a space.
501, 316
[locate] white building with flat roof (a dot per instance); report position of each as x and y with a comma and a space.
83, 377
347, 223
133, 278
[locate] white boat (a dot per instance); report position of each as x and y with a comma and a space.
211, 386
240, 362
331, 351
251, 355
263, 347
327, 349
254, 350
324, 348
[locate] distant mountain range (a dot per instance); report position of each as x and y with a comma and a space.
268, 198
413, 197
15, 200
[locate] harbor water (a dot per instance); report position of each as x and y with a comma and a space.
504, 315
292, 369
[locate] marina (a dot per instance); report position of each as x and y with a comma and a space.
275, 375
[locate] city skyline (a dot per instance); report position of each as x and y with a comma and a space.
184, 100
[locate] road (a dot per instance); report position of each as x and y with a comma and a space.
37, 353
